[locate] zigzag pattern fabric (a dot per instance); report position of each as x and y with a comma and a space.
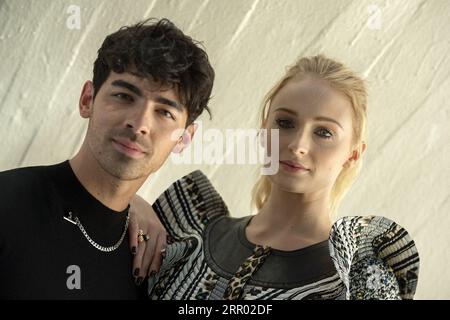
374, 257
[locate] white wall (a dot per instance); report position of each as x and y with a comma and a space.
400, 46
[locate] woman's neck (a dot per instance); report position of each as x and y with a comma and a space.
290, 221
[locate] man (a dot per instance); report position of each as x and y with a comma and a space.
63, 230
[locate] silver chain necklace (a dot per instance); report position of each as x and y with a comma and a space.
77, 222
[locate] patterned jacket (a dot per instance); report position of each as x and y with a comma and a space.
364, 258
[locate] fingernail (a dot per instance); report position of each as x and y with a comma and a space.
163, 253
133, 250
136, 272
152, 273
139, 280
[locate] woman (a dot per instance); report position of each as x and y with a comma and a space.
290, 249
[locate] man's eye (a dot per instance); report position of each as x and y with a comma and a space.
324, 133
166, 114
124, 97
284, 123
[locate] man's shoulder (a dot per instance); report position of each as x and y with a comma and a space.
23, 175
26, 193
26, 181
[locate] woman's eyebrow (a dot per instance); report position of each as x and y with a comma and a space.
318, 118
286, 110
329, 120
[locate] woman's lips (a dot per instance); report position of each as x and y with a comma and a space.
293, 167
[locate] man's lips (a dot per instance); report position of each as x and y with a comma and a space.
129, 144
126, 146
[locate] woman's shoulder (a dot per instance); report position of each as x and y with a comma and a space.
189, 205
375, 257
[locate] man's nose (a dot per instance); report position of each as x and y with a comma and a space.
141, 120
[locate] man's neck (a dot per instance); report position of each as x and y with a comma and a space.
114, 193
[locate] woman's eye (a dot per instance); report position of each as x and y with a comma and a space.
124, 97
324, 133
284, 123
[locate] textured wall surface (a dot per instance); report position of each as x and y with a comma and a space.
401, 48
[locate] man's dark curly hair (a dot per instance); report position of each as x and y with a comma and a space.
162, 52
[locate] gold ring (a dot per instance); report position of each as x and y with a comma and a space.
140, 235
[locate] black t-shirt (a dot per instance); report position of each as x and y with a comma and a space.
44, 256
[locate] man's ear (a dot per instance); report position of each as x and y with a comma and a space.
86, 99
185, 139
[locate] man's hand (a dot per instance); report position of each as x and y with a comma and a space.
147, 254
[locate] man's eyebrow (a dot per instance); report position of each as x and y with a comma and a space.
320, 118
127, 85
138, 92
169, 103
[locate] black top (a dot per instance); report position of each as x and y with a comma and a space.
226, 247
43, 256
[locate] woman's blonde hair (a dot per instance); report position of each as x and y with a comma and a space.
345, 81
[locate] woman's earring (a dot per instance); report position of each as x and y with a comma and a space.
262, 138
351, 160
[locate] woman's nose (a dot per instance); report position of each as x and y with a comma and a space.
299, 144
